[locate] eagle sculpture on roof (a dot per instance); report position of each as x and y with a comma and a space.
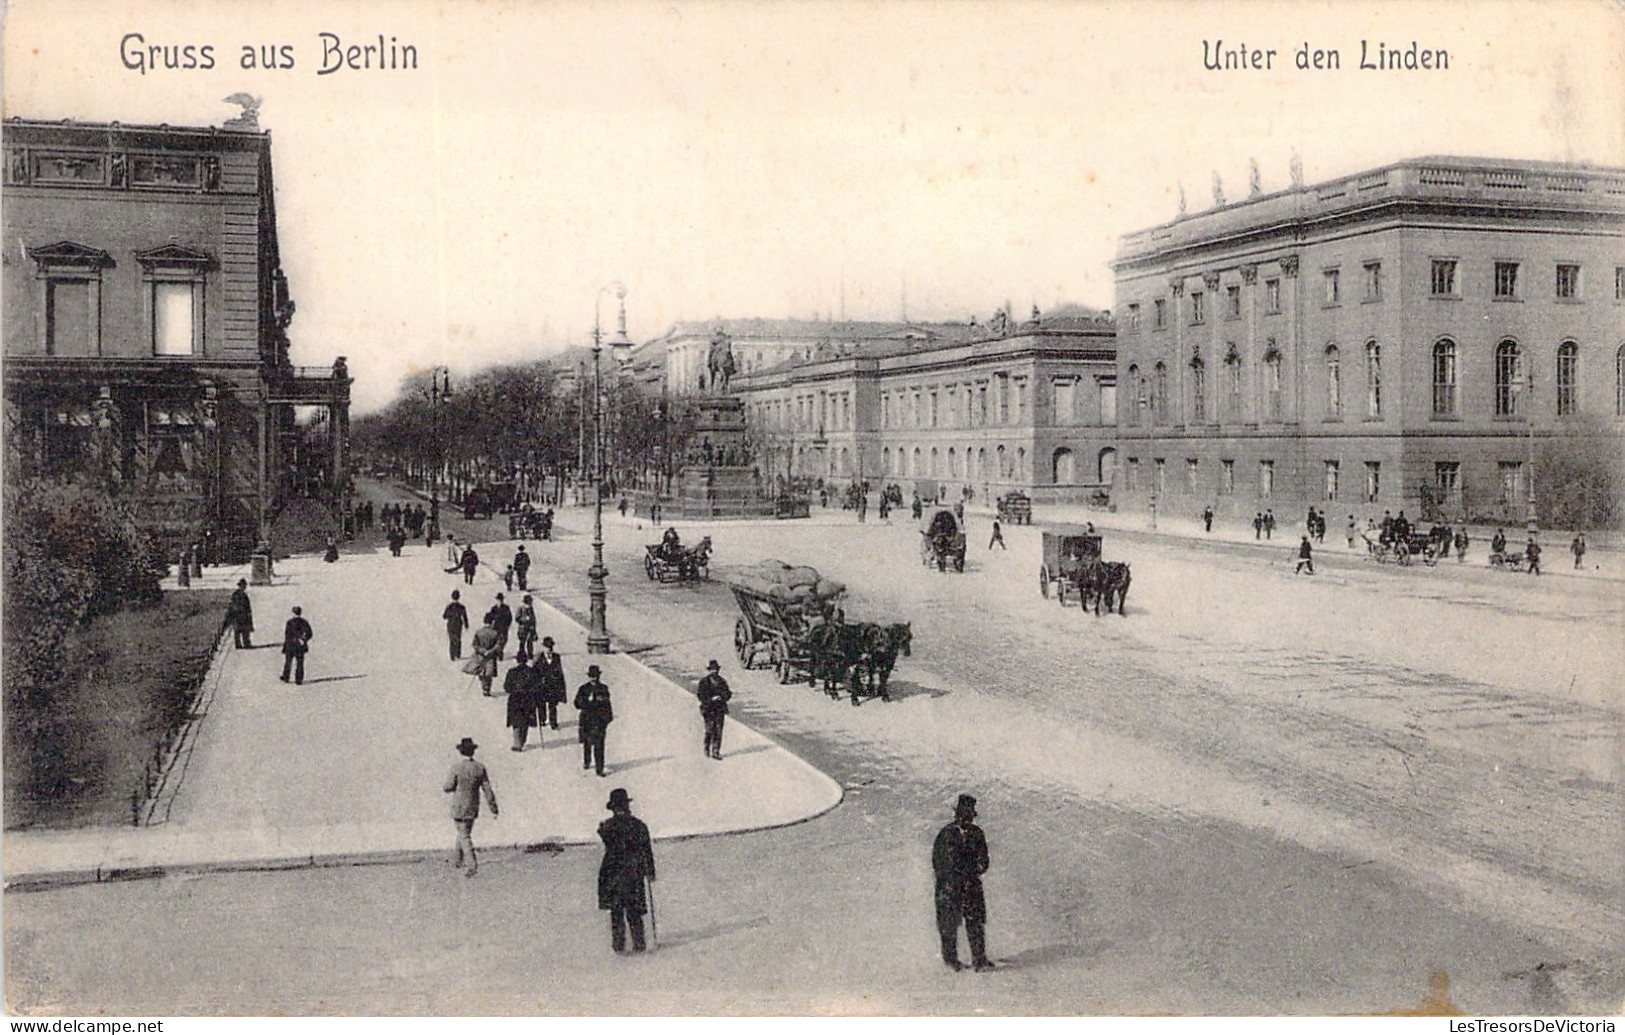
250, 116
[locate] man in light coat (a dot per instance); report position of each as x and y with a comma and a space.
465, 783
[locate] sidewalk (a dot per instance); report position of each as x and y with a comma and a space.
348, 767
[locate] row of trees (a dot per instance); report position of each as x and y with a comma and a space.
522, 423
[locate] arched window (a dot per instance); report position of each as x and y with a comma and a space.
1159, 394
1232, 377
1021, 462
1444, 378
1061, 467
1136, 385
1373, 379
998, 456
981, 463
1568, 372
934, 469
1198, 390
916, 468
1272, 384
1106, 465
1334, 383
953, 463
1508, 374
885, 461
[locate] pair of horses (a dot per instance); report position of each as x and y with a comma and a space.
859, 654
1104, 581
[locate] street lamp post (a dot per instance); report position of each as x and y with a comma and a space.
1532, 521
439, 396
597, 592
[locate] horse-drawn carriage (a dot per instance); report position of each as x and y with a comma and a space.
670, 561
1016, 508
1403, 549
942, 539
530, 523
1072, 564
790, 621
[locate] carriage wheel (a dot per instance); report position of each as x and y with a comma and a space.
649, 567
1043, 580
959, 562
743, 646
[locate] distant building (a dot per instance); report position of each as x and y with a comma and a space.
1407, 337
1029, 406
146, 326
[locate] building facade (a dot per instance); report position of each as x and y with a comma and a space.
1411, 337
146, 323
1030, 407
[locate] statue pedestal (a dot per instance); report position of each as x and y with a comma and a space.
719, 479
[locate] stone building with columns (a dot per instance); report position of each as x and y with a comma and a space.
146, 320
1410, 337
1028, 406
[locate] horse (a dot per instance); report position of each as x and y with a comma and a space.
690, 561
836, 650
1103, 580
885, 643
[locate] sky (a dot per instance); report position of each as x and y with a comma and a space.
788, 159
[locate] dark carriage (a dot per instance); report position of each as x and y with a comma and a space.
1073, 566
1016, 508
942, 539
664, 562
1404, 550
531, 524
776, 629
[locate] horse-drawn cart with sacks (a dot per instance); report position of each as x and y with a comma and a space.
670, 561
1016, 508
790, 620
1072, 564
942, 539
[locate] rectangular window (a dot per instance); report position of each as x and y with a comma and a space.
1232, 301
1198, 307
1331, 479
172, 318
1506, 280
1190, 476
1131, 474
1108, 404
1160, 315
68, 318
1134, 316
1619, 283
1332, 281
1266, 479
1272, 295
1511, 474
1161, 475
933, 409
1373, 281
1373, 480
1568, 280
1227, 477
1444, 278
1447, 483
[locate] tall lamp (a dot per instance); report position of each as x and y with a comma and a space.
597, 591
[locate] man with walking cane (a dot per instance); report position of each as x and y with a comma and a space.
625, 875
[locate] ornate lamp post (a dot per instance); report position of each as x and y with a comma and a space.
1531, 518
597, 592
439, 396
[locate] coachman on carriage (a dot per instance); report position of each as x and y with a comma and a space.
1072, 564
942, 539
670, 561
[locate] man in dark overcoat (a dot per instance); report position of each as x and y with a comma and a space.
520, 685
521, 567
592, 701
959, 858
470, 563
629, 860
525, 626
456, 616
240, 616
713, 693
296, 637
551, 689
500, 618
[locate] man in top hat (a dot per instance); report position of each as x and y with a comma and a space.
592, 701
959, 859
296, 637
500, 618
470, 563
521, 689
240, 616
550, 689
465, 783
456, 616
713, 693
521, 567
629, 860
525, 622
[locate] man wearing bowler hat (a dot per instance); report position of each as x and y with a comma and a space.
959, 858
592, 701
551, 691
629, 860
713, 693
465, 783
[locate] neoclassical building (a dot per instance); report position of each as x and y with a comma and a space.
146, 325
1031, 406
1407, 337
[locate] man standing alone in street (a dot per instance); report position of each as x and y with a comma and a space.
240, 616
1207, 519
296, 637
959, 859
456, 616
525, 620
629, 860
550, 689
714, 693
998, 536
1305, 557
465, 783
521, 567
592, 701
470, 562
